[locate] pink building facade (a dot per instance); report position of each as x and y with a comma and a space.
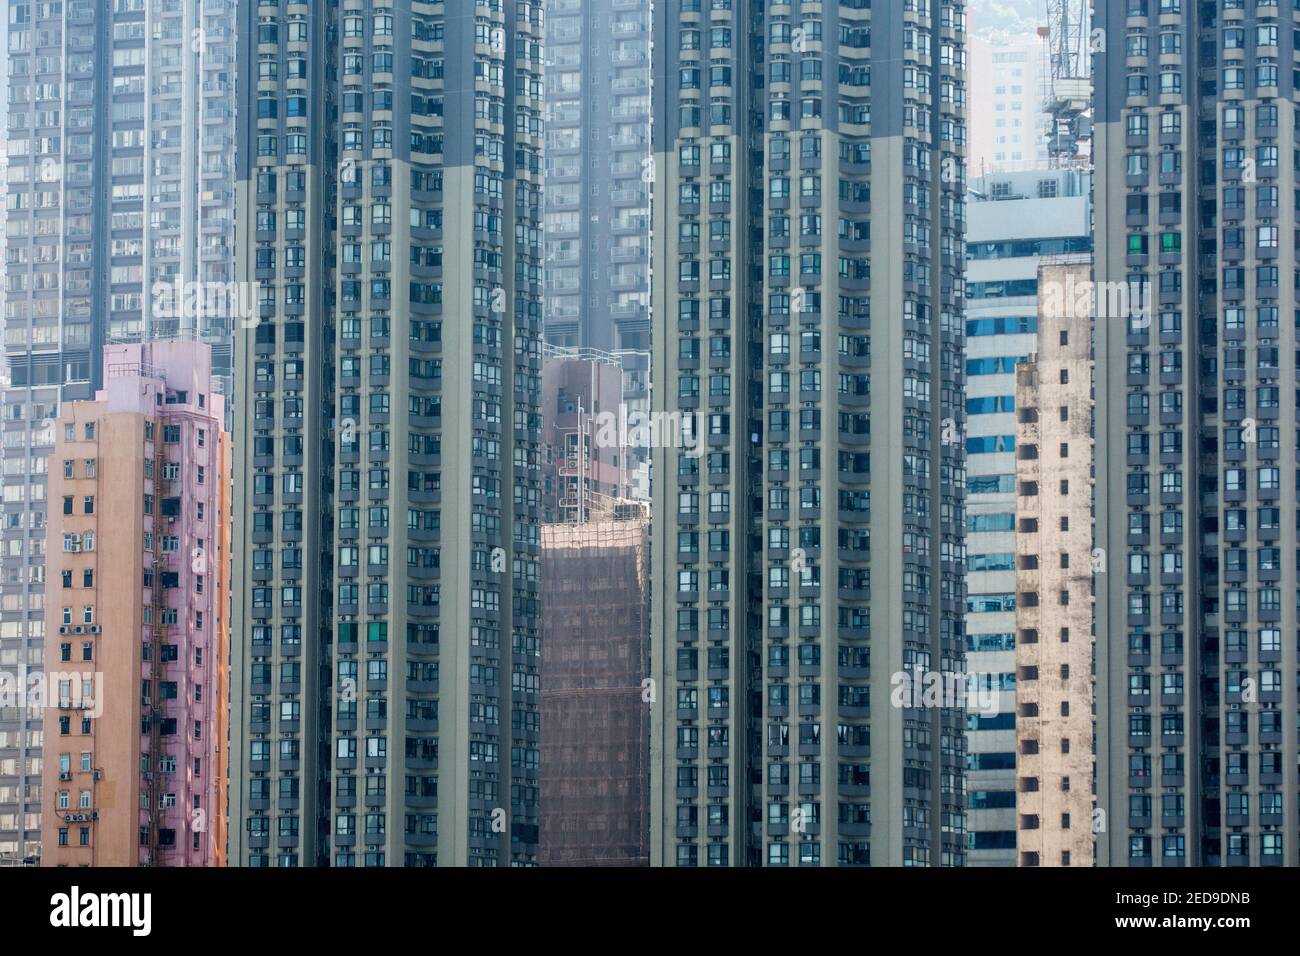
137, 631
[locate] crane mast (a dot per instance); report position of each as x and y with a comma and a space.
1069, 98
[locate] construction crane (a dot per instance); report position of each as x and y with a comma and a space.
1069, 93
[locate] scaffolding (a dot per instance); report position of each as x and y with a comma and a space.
577, 497
595, 808
578, 471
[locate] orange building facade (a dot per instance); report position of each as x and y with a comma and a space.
137, 617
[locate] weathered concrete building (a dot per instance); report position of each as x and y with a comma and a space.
1054, 682
120, 160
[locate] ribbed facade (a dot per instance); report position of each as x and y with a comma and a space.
1196, 433
598, 182
807, 290
384, 685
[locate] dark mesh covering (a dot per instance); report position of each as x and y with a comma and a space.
595, 735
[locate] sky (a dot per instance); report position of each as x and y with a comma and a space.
990, 19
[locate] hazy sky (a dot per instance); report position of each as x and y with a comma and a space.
1005, 16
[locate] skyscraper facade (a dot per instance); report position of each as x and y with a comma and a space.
384, 681
1196, 440
120, 164
598, 186
807, 289
1015, 219
598, 174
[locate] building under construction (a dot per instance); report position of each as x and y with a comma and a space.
587, 460
595, 731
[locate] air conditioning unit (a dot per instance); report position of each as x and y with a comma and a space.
65, 775
64, 629
79, 629
94, 629
99, 774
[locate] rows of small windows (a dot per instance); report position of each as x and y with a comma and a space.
1235, 482
274, 384
1238, 846
718, 465
778, 853
852, 696
720, 271
424, 143
1235, 38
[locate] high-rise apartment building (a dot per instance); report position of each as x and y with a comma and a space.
808, 317
1015, 219
1196, 432
385, 676
1053, 577
136, 625
598, 174
1009, 130
598, 185
119, 222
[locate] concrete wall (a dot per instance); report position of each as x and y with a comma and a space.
1054, 756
